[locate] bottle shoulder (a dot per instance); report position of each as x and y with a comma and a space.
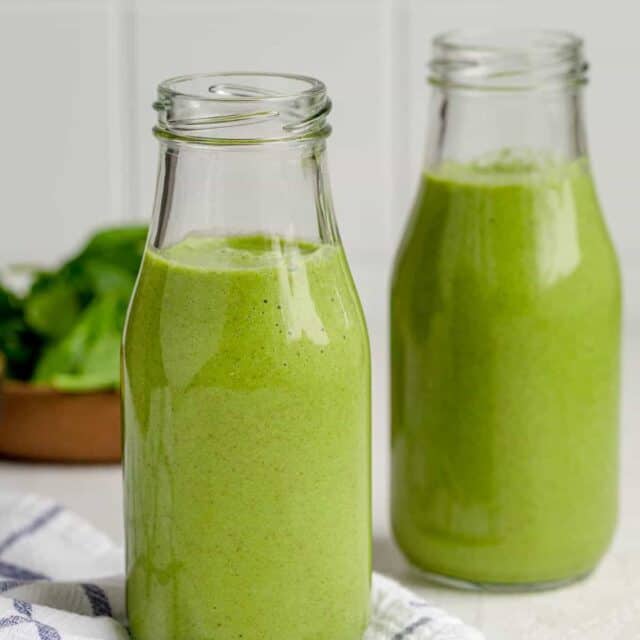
516, 237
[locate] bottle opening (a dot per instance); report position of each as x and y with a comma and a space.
242, 108
508, 60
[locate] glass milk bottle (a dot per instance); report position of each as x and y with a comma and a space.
246, 378
505, 325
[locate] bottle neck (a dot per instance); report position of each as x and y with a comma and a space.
472, 125
275, 189
506, 94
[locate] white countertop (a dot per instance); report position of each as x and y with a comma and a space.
604, 607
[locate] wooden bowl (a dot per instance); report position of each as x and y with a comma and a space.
40, 423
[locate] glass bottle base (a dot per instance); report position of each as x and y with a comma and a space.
495, 587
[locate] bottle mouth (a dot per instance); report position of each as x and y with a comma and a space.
508, 60
242, 108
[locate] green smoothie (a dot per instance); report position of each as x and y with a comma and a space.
246, 405
505, 327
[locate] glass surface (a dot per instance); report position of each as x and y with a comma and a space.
505, 326
246, 379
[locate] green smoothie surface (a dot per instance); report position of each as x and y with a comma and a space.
239, 252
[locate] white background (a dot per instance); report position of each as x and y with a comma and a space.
78, 79
79, 76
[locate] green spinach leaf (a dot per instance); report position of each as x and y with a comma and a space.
66, 331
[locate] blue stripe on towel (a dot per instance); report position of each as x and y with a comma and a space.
407, 631
7, 585
98, 599
14, 572
30, 528
47, 633
23, 607
11, 621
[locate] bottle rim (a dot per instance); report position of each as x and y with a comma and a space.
242, 107
508, 59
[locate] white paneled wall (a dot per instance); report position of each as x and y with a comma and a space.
58, 161
79, 77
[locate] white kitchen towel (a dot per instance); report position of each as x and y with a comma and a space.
61, 579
